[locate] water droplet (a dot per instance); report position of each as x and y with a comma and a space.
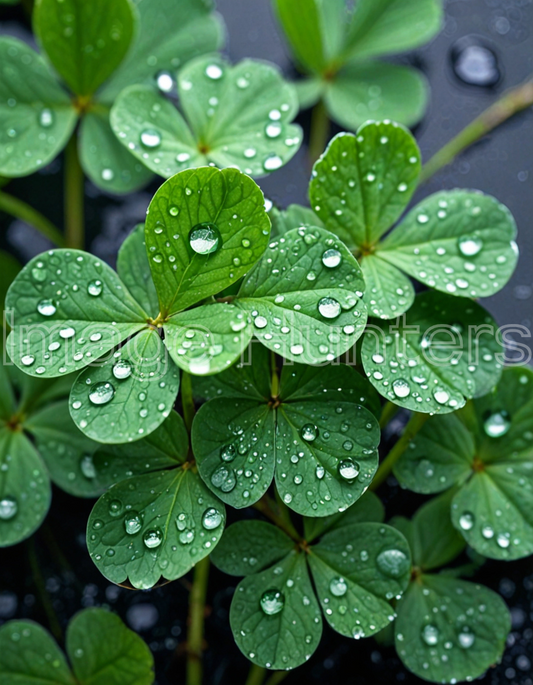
272, 162
101, 393
331, 258
67, 333
348, 469
260, 322
122, 369
27, 360
487, 532
320, 471
503, 540
213, 71
309, 432
151, 138
273, 130
107, 174
401, 388
8, 508
46, 308
181, 158
115, 507
164, 81
212, 518
329, 308
205, 238
272, 602
496, 424
224, 479
46, 118
466, 638
94, 288
441, 396
430, 635
87, 467
133, 522
474, 64
338, 587
228, 453
153, 538
467, 520
393, 563
469, 246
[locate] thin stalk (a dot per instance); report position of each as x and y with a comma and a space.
195, 636
388, 412
274, 388
319, 131
74, 196
20, 210
187, 401
415, 424
38, 579
512, 102
277, 677
256, 675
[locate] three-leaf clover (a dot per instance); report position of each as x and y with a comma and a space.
71, 310
459, 242
336, 47
236, 117
357, 567
100, 648
485, 450
313, 434
38, 441
157, 519
447, 630
96, 47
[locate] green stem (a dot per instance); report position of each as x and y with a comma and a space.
20, 210
319, 131
38, 579
274, 389
187, 401
278, 513
195, 637
388, 412
415, 424
74, 196
256, 675
508, 105
277, 677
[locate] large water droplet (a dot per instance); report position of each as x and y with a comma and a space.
153, 538
224, 479
228, 453
8, 508
496, 424
338, 587
46, 308
401, 388
151, 138
87, 467
67, 333
309, 432
441, 396
211, 519
133, 522
474, 64
272, 602
348, 469
329, 308
393, 563
469, 246
214, 72
94, 288
122, 369
46, 118
27, 360
467, 520
101, 393
466, 638
430, 635
331, 258
205, 238
272, 162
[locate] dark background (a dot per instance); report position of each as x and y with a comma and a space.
501, 165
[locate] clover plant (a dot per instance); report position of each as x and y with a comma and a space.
290, 351
100, 649
337, 46
90, 52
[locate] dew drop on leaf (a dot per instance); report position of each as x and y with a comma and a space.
101, 393
401, 388
320, 471
8, 508
331, 258
132, 522
46, 118
214, 72
67, 333
272, 602
466, 638
153, 538
211, 519
27, 360
348, 469
223, 479
272, 162
115, 507
122, 369
228, 453
309, 432
469, 246
94, 288
87, 467
150, 138
467, 520
338, 587
46, 308
205, 238
496, 424
441, 396
430, 635
329, 308
392, 563
260, 322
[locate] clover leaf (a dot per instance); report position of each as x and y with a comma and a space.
236, 117
100, 648
458, 242
158, 519
38, 441
315, 436
336, 46
87, 46
486, 450
441, 353
447, 630
275, 614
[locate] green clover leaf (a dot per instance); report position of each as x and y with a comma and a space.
136, 528
237, 117
486, 450
315, 436
101, 649
336, 46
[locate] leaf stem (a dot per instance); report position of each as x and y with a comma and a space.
256, 675
511, 102
38, 579
277, 677
195, 637
415, 424
74, 196
274, 388
388, 412
187, 401
319, 131
20, 210
278, 513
